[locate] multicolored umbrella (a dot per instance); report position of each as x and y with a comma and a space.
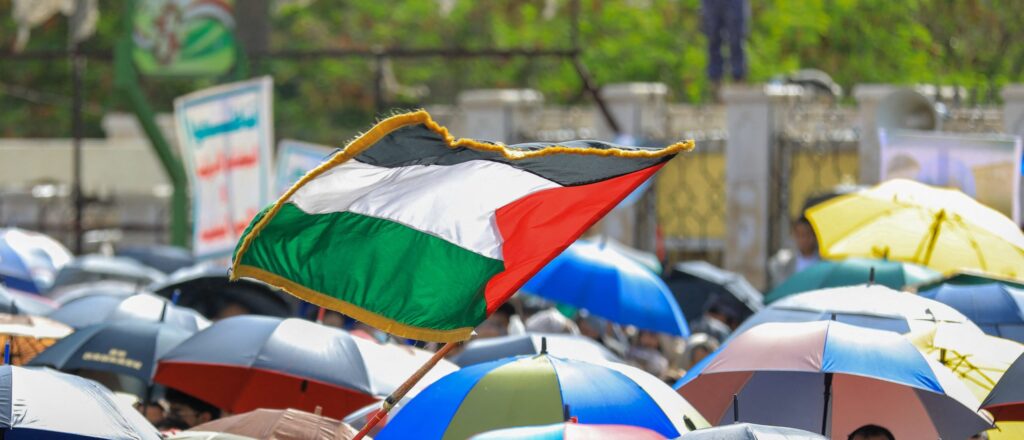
571, 431
249, 362
943, 229
610, 285
977, 359
29, 260
1006, 401
539, 390
850, 272
279, 424
995, 307
833, 378
575, 347
91, 310
29, 335
129, 348
46, 404
876, 307
750, 431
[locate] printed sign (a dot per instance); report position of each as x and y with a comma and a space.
983, 166
294, 159
225, 136
184, 37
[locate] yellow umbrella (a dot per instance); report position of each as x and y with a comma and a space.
943, 229
979, 360
29, 335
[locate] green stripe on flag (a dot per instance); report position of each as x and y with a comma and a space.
402, 276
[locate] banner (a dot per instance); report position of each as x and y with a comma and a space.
176, 37
225, 134
986, 167
294, 159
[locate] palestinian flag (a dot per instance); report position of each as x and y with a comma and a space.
423, 236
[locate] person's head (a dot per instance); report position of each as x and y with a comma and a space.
154, 412
590, 325
648, 339
333, 319
698, 347
497, 324
871, 432
724, 314
803, 237
183, 409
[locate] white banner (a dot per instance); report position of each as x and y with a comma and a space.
294, 159
225, 135
986, 167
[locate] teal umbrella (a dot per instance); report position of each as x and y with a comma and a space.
849, 272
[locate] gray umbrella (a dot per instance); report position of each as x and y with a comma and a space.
697, 285
90, 310
561, 345
750, 431
88, 268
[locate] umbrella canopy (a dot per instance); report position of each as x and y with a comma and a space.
870, 377
164, 258
750, 431
968, 277
997, 308
91, 268
248, 362
277, 424
29, 335
15, 302
539, 390
562, 345
129, 348
876, 307
571, 431
207, 289
698, 284
92, 310
47, 404
903, 220
978, 360
1006, 401
66, 294
206, 435
609, 285
29, 260
849, 272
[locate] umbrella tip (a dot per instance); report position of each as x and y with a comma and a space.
565, 413
871, 276
735, 409
543, 345
7, 352
689, 423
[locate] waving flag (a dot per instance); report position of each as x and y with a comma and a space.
423, 236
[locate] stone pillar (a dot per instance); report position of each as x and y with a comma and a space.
868, 97
501, 115
751, 123
1013, 109
640, 109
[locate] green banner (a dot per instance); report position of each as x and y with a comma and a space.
184, 37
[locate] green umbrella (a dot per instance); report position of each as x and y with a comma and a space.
849, 272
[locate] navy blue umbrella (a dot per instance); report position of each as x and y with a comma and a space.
122, 347
44, 404
996, 307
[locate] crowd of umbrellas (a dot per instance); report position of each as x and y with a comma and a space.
912, 321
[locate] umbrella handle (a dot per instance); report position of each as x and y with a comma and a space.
402, 390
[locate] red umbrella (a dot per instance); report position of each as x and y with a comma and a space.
249, 362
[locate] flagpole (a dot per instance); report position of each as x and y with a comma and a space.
402, 390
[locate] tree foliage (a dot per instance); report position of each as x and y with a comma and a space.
965, 42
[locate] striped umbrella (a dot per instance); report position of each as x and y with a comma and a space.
833, 378
571, 431
538, 390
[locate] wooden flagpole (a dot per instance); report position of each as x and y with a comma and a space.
402, 390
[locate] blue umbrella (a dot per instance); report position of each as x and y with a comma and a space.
997, 308
610, 285
43, 404
18, 303
28, 260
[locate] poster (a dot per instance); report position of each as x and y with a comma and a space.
225, 136
294, 159
184, 37
986, 167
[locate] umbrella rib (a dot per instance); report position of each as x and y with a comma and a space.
931, 238
973, 242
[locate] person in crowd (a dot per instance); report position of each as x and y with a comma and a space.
185, 411
718, 321
646, 353
498, 323
154, 412
725, 21
871, 432
698, 347
787, 262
